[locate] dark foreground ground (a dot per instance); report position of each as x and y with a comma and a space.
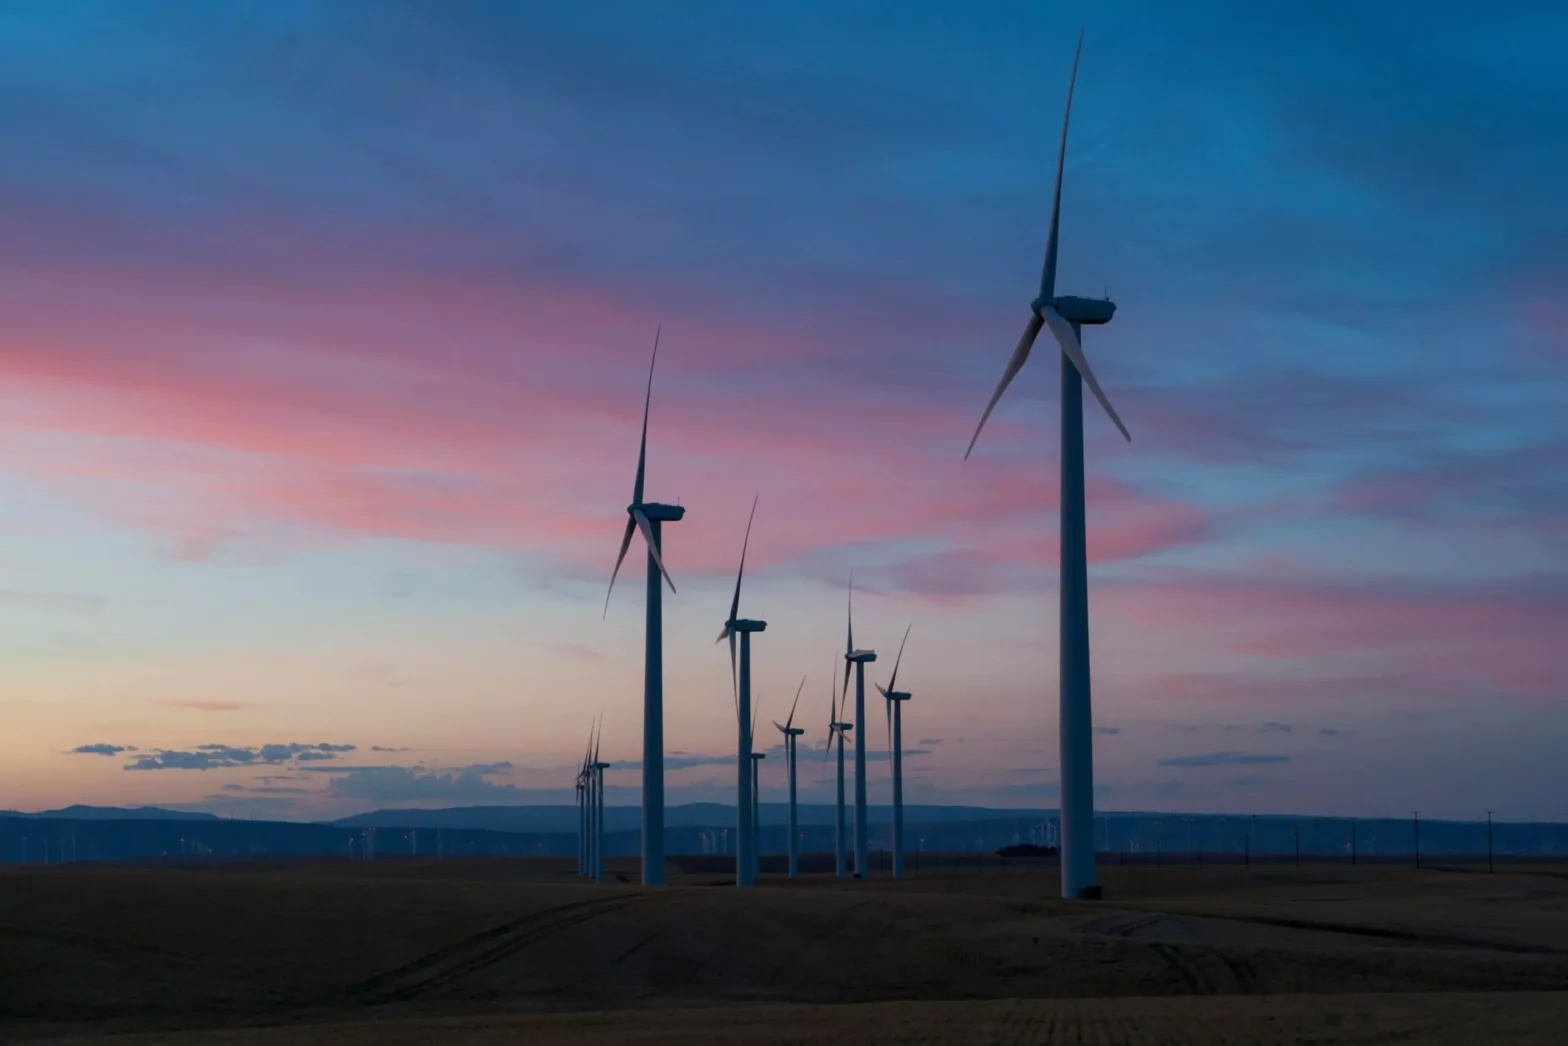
516, 950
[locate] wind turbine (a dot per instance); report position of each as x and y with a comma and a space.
895, 728
598, 770
649, 517
582, 808
740, 680
791, 732
1066, 316
756, 816
858, 659
836, 730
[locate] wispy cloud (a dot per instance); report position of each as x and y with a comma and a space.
1223, 759
102, 749
405, 784
215, 756
209, 706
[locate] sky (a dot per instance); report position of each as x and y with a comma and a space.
326, 327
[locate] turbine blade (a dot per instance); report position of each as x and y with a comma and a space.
832, 704
642, 453
745, 543
734, 677
892, 684
653, 546
849, 639
798, 690
1067, 338
887, 704
1014, 365
626, 543
1048, 269
882, 690
724, 634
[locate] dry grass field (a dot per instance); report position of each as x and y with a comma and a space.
474, 952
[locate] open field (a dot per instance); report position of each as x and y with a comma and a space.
507, 949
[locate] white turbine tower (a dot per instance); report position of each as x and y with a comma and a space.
740, 681
858, 660
791, 732
895, 699
836, 731
756, 816
649, 517
1066, 316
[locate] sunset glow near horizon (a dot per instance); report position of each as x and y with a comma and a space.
325, 334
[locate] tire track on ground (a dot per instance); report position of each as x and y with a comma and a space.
1186, 961
1375, 932
486, 948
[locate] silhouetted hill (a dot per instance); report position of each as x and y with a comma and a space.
97, 834
686, 815
114, 813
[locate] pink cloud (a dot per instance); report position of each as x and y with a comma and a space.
210, 706
1494, 639
449, 411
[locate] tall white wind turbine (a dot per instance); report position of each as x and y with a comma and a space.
858, 660
1066, 316
895, 699
791, 732
649, 517
756, 815
740, 681
837, 728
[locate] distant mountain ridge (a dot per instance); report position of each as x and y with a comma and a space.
562, 818
80, 812
86, 833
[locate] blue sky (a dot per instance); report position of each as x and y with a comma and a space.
326, 326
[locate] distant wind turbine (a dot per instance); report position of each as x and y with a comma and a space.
858, 659
791, 732
582, 808
649, 517
598, 768
895, 699
836, 730
740, 681
1066, 317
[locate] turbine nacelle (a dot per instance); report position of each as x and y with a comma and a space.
1083, 311
758, 755
862, 657
894, 695
744, 625
658, 513
792, 731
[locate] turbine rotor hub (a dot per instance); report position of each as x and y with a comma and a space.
1082, 311
657, 512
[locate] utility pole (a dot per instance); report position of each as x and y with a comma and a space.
1489, 841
